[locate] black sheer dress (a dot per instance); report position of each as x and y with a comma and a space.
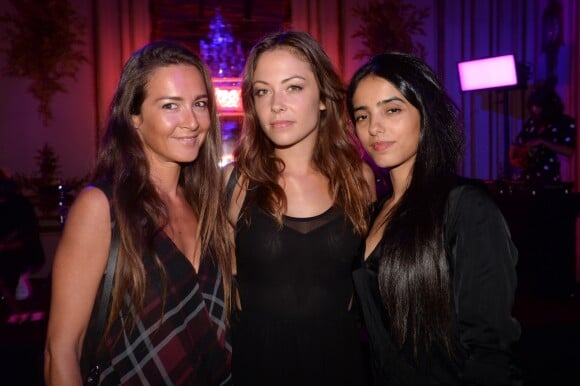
295, 287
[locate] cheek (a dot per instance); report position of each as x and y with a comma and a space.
413, 142
204, 120
417, 136
262, 114
362, 134
261, 104
159, 122
310, 104
203, 137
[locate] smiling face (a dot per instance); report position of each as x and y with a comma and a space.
174, 117
387, 125
286, 97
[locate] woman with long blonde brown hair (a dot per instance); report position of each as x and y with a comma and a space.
299, 198
158, 179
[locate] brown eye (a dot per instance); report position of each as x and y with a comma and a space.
294, 88
201, 104
260, 92
169, 106
360, 118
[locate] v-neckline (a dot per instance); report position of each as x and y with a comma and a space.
195, 270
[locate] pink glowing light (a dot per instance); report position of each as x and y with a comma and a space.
228, 94
493, 72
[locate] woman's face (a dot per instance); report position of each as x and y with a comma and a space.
174, 118
387, 125
287, 98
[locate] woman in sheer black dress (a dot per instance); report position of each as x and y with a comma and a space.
300, 194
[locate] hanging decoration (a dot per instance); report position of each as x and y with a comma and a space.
222, 53
390, 25
41, 40
225, 58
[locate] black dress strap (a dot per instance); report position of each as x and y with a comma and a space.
105, 186
232, 181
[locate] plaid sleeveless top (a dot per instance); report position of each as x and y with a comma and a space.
184, 341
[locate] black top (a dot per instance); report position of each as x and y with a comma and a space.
482, 261
295, 287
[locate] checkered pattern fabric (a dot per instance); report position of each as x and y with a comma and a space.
183, 341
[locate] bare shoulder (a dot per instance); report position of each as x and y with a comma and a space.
91, 206
87, 230
91, 198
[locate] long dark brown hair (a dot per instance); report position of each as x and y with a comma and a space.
414, 275
136, 206
337, 155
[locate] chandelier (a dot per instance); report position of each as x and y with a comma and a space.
222, 53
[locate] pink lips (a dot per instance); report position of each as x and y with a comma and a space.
381, 145
280, 124
188, 140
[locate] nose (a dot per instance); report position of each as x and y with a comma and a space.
376, 127
190, 120
278, 102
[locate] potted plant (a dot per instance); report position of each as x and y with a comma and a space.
390, 25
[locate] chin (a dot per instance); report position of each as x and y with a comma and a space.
189, 158
381, 163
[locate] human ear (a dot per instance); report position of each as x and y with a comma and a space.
137, 120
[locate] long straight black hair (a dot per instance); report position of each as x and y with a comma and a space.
414, 278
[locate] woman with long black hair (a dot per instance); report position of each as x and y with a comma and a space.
437, 283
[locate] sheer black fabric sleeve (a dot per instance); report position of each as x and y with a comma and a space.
484, 282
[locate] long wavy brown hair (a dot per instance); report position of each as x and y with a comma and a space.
136, 207
337, 155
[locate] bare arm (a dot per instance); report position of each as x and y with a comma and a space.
79, 264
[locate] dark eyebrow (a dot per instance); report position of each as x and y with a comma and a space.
259, 81
171, 98
360, 108
179, 99
391, 99
379, 103
293, 77
283, 80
